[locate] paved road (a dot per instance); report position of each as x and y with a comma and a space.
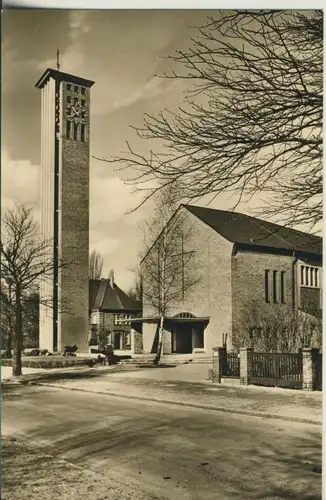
173, 452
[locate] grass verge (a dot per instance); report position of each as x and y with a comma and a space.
50, 362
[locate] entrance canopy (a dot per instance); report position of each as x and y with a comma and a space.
174, 319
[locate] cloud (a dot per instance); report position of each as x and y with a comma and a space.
20, 182
72, 59
150, 90
110, 198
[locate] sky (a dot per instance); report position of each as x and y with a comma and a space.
121, 51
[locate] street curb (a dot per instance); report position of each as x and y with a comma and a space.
180, 403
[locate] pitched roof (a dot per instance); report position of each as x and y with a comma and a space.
244, 229
105, 297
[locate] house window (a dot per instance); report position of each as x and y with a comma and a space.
76, 127
83, 90
127, 340
76, 101
76, 88
310, 276
275, 287
68, 86
307, 276
122, 319
83, 103
282, 282
266, 285
68, 129
82, 133
69, 98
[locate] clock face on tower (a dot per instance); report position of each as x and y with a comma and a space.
76, 112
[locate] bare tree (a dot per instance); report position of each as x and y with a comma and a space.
165, 269
7, 317
30, 317
25, 258
251, 123
282, 329
95, 265
136, 292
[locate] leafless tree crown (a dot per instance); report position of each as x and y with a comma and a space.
166, 270
251, 123
95, 265
25, 256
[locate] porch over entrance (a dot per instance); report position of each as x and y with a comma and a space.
183, 333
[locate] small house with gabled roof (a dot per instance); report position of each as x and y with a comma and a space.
111, 311
238, 259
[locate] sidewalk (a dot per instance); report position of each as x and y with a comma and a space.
285, 404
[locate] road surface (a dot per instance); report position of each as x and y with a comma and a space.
168, 452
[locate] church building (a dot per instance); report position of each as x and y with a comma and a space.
237, 259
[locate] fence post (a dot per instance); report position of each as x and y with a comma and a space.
219, 355
309, 361
245, 365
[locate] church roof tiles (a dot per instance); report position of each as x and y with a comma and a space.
107, 296
246, 230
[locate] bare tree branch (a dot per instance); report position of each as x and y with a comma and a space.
95, 265
166, 272
26, 258
252, 122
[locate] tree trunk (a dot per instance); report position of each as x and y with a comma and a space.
9, 336
17, 359
160, 342
9, 344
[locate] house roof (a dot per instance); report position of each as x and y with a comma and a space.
104, 296
244, 229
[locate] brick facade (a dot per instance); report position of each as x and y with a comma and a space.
309, 359
230, 277
211, 296
245, 365
136, 342
74, 237
248, 282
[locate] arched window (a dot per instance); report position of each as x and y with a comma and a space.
184, 315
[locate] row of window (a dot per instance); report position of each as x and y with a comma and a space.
76, 88
76, 131
275, 282
75, 101
309, 276
121, 319
274, 286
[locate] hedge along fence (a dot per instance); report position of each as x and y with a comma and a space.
50, 362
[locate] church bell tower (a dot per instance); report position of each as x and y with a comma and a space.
65, 129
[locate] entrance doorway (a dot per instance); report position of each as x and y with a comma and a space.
186, 336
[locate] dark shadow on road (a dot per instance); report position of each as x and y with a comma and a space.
260, 461
76, 374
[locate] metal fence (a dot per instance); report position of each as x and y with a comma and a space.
277, 369
231, 365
